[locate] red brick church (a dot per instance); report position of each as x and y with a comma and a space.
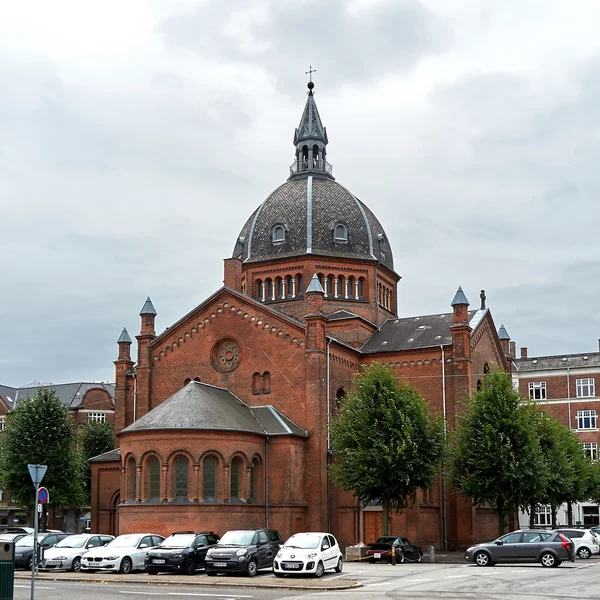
222, 421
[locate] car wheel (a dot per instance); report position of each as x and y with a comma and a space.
548, 560
340, 565
320, 570
126, 565
189, 567
76, 564
29, 564
211, 573
584, 552
482, 559
151, 571
371, 561
252, 568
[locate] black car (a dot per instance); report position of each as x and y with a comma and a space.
24, 547
182, 551
243, 551
403, 548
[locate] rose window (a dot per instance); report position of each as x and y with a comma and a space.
226, 355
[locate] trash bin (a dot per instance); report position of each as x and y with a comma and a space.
7, 570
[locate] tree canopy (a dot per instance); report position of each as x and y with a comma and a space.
386, 445
40, 431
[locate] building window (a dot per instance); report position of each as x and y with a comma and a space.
254, 475
591, 449
340, 233
591, 516
278, 234
543, 516
131, 468
266, 382
256, 383
153, 478
235, 478
209, 477
537, 390
586, 419
97, 417
2, 423
181, 477
585, 388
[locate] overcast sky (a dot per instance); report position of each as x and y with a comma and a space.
137, 137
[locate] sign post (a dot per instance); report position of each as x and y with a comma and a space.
37, 473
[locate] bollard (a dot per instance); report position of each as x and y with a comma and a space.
431, 552
393, 555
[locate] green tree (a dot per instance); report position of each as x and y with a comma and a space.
39, 431
385, 443
495, 456
94, 439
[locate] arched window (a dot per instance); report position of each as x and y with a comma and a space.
278, 234
486, 369
235, 477
187, 380
479, 385
153, 478
300, 287
340, 233
254, 480
361, 287
266, 383
329, 285
288, 286
340, 396
258, 289
181, 477
279, 287
197, 380
209, 477
256, 383
132, 472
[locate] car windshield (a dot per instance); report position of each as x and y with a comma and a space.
73, 541
124, 541
27, 541
237, 538
303, 541
178, 541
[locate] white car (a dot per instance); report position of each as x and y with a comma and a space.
310, 552
66, 555
125, 553
585, 540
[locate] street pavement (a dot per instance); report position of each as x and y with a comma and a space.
427, 581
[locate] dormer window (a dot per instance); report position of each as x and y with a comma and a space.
340, 233
278, 234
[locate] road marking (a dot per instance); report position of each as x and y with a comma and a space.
416, 580
37, 587
342, 575
184, 594
376, 584
455, 576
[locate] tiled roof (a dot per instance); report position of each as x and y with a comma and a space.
71, 394
411, 333
202, 406
557, 362
8, 394
109, 456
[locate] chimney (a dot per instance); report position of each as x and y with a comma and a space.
523, 352
513, 349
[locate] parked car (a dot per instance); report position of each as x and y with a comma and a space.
585, 540
182, 551
66, 555
244, 551
124, 554
11, 537
528, 545
309, 552
17, 530
24, 547
404, 549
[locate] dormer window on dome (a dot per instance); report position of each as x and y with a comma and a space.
278, 234
340, 233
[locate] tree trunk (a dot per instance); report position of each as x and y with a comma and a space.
501, 518
532, 515
553, 509
385, 518
570, 513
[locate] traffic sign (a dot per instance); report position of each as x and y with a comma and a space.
37, 473
43, 495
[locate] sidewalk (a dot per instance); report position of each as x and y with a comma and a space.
329, 582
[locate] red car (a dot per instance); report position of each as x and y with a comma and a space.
405, 551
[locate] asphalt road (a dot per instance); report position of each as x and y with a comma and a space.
580, 580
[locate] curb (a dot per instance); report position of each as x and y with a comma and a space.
279, 585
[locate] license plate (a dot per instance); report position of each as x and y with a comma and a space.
53, 563
291, 566
378, 555
94, 564
158, 561
219, 564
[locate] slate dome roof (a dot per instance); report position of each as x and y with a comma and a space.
309, 208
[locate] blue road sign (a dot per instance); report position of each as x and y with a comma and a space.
37, 473
43, 495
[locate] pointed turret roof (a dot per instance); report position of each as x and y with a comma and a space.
148, 308
502, 333
124, 337
311, 126
315, 286
459, 298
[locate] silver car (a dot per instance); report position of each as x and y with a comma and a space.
66, 555
527, 545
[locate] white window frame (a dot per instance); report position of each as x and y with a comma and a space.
586, 387
2, 423
591, 449
543, 516
540, 388
97, 417
583, 415
275, 238
344, 236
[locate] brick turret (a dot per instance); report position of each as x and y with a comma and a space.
122, 365
144, 367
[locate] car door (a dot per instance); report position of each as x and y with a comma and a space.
531, 545
507, 548
275, 541
138, 554
263, 549
331, 556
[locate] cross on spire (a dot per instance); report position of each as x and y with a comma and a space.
310, 72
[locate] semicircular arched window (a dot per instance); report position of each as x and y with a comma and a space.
278, 234
340, 233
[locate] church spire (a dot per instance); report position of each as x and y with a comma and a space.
310, 139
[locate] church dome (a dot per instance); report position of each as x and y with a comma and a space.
311, 213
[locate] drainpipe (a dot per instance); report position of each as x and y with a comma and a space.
267, 481
444, 497
328, 445
569, 395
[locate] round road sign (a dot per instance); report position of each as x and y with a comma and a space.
43, 495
